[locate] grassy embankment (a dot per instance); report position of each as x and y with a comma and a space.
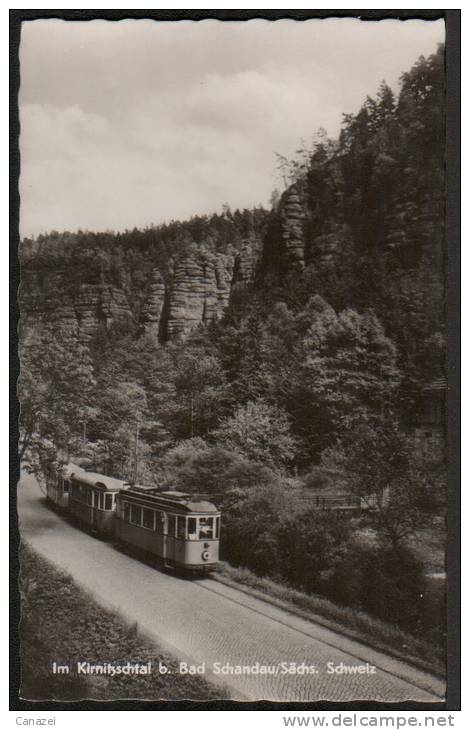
351, 622
61, 623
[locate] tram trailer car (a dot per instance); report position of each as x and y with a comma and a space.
58, 491
173, 527
92, 501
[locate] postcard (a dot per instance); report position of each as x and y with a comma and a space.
233, 360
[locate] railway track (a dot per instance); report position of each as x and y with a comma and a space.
356, 656
202, 620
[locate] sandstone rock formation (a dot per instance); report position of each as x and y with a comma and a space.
292, 229
152, 309
98, 306
86, 311
246, 262
200, 291
191, 290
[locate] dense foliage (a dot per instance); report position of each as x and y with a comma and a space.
312, 379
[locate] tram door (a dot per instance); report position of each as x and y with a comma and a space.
169, 538
164, 536
94, 503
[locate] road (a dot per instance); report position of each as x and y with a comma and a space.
205, 621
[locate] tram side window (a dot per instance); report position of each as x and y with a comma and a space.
136, 515
217, 528
192, 528
148, 518
101, 501
96, 499
159, 522
181, 527
89, 497
108, 501
65, 486
171, 525
206, 528
127, 511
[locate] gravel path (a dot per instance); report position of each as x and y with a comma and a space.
203, 621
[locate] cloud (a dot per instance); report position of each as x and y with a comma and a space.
138, 122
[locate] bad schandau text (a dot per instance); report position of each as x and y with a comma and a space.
216, 668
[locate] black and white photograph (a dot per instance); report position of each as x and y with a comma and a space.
233, 352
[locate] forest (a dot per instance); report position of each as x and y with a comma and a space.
321, 375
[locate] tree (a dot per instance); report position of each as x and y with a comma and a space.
195, 467
326, 370
55, 389
313, 544
198, 397
251, 528
259, 431
349, 364
379, 465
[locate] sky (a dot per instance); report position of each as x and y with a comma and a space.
138, 122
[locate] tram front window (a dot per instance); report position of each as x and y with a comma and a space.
206, 528
192, 528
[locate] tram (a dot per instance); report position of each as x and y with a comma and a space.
92, 500
58, 491
177, 529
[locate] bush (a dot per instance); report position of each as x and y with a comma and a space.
321, 479
386, 582
251, 527
312, 545
318, 552
215, 471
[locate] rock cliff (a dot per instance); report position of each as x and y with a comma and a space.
153, 306
199, 292
168, 301
292, 215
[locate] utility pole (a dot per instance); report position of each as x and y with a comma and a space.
136, 451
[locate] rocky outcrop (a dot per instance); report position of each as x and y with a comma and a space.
152, 309
327, 247
247, 262
200, 291
86, 311
97, 307
188, 291
292, 229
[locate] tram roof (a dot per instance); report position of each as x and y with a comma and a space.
177, 500
102, 481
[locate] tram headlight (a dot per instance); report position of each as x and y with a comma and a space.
205, 555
